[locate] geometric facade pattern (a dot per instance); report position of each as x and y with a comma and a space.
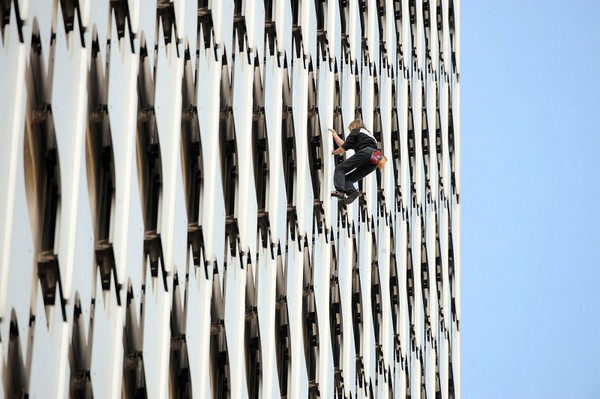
166, 224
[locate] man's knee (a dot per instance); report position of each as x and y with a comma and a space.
340, 167
337, 172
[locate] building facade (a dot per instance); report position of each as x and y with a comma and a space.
166, 224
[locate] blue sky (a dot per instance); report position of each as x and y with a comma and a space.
530, 196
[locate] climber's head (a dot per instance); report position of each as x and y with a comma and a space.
356, 124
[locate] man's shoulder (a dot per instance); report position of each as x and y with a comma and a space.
367, 133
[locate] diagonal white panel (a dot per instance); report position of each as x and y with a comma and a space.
127, 230
322, 250
367, 333
325, 87
49, 358
246, 207
266, 296
212, 206
235, 314
345, 265
172, 212
276, 199
69, 106
107, 346
303, 193
297, 379
198, 325
13, 216
222, 16
157, 338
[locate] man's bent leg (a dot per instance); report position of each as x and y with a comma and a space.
339, 178
357, 174
339, 175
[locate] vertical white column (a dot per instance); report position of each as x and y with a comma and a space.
266, 297
297, 375
49, 359
16, 241
246, 207
235, 314
69, 111
322, 270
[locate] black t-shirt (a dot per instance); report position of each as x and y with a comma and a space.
358, 139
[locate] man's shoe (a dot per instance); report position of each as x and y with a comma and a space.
351, 197
338, 194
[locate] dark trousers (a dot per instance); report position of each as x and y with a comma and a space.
352, 170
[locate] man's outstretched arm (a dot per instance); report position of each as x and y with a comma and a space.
339, 141
338, 151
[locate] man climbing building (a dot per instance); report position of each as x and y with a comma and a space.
358, 165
